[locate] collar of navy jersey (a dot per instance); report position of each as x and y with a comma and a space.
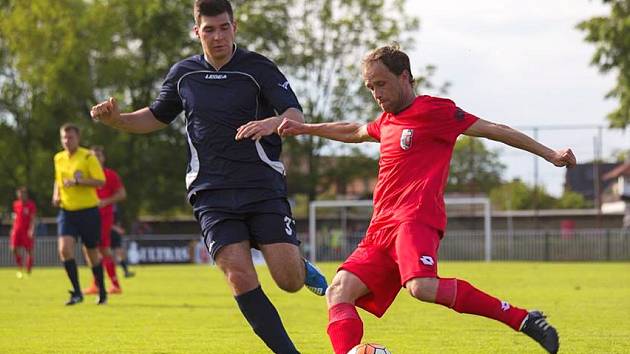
226, 63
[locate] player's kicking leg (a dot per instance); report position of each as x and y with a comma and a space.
416, 248
462, 297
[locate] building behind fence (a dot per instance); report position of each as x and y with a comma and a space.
523, 236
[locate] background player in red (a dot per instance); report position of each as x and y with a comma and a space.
110, 193
22, 232
118, 250
400, 248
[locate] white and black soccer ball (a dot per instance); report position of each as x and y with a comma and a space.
369, 348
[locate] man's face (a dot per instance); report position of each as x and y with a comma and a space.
69, 140
216, 34
22, 194
385, 86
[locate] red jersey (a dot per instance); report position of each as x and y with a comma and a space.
24, 213
111, 186
416, 148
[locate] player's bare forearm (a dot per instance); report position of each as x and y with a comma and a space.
293, 114
515, 138
55, 196
259, 128
347, 132
31, 226
118, 196
141, 121
91, 182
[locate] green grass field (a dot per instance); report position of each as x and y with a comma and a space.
188, 309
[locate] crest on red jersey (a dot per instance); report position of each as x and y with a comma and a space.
406, 137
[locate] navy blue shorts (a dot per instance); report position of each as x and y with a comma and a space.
84, 223
116, 239
259, 222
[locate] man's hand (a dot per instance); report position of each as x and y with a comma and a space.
106, 112
56, 201
103, 203
290, 127
563, 157
258, 128
71, 182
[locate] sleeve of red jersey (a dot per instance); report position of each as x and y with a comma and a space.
374, 128
116, 181
453, 120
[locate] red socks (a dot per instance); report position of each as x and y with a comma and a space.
465, 298
18, 259
345, 327
110, 268
29, 263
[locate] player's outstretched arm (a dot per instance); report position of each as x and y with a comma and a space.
141, 121
259, 128
513, 137
340, 131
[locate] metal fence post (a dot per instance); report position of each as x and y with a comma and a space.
547, 246
608, 250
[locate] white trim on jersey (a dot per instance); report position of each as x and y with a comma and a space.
276, 165
191, 176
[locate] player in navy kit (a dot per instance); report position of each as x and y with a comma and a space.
233, 101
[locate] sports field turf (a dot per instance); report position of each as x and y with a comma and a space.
188, 309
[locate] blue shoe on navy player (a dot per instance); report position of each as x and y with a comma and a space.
314, 279
536, 326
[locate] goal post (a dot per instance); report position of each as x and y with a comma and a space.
343, 204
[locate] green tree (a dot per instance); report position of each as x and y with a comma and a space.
59, 58
572, 200
516, 195
348, 168
611, 36
43, 64
322, 57
474, 168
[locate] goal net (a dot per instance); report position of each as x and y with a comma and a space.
337, 226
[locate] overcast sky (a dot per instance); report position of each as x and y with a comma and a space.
524, 64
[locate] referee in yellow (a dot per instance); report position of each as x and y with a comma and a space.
77, 176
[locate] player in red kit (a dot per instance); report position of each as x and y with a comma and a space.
417, 135
22, 232
111, 192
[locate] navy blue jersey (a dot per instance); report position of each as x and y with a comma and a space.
216, 102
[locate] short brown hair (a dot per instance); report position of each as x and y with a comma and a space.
212, 8
392, 57
70, 126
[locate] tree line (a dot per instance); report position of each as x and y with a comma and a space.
58, 58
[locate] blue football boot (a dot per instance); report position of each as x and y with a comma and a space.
314, 279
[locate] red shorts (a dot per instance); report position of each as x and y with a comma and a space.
19, 238
107, 220
387, 259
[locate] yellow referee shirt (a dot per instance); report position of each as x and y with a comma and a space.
84, 164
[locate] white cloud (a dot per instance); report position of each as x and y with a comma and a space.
522, 63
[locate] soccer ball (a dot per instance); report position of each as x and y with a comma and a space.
369, 348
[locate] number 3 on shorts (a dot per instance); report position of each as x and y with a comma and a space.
288, 225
